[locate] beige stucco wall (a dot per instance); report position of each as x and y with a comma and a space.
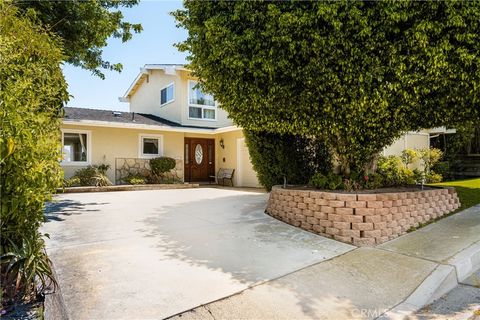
146, 99
411, 140
110, 143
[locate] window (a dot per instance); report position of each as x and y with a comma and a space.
200, 105
167, 94
150, 146
76, 147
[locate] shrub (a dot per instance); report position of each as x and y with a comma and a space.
433, 177
136, 179
430, 157
92, 176
330, 181
162, 165
393, 172
72, 182
294, 158
409, 156
443, 168
32, 92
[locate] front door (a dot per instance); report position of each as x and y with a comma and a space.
199, 159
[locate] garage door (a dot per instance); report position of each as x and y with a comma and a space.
246, 176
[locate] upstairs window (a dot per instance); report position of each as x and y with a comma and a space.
167, 94
200, 105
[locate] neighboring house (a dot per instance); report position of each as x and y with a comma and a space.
169, 116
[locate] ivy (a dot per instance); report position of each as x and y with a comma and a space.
357, 75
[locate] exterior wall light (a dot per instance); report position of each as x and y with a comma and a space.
222, 144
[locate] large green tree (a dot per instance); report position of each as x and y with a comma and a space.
84, 27
32, 93
357, 74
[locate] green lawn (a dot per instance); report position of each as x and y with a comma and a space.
468, 191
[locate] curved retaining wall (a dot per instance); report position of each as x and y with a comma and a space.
360, 219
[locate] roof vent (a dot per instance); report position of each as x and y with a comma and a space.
116, 113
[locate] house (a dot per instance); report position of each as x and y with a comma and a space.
169, 116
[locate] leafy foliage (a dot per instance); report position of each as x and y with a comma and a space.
330, 181
162, 165
92, 176
31, 98
136, 179
275, 157
356, 74
84, 27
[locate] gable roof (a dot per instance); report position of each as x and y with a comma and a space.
168, 68
116, 116
133, 120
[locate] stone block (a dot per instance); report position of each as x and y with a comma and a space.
364, 242
375, 204
348, 211
336, 203
342, 238
355, 204
335, 217
320, 215
373, 219
332, 231
372, 233
327, 209
365, 211
346, 197
328, 195
362, 226
367, 197
379, 225
312, 220
350, 233
326, 223
321, 202
341, 225
352, 218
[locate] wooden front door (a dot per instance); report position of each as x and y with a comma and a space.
199, 159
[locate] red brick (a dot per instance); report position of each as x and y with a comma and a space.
364, 211
344, 211
336, 203
355, 204
367, 197
362, 226
374, 204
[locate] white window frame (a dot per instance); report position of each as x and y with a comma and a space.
89, 148
215, 108
169, 101
142, 136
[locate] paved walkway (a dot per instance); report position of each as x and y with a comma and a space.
365, 283
157, 254
153, 254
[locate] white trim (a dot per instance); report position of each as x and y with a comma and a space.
64, 163
239, 160
141, 136
110, 124
166, 87
215, 108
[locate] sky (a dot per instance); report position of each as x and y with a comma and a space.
153, 45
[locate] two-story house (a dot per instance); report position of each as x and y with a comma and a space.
169, 116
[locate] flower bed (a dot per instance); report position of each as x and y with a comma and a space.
362, 219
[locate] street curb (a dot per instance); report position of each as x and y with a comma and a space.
54, 305
444, 278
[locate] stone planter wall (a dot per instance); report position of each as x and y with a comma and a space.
360, 219
136, 166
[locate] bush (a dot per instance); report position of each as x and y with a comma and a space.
430, 157
330, 181
443, 169
72, 182
295, 158
433, 177
33, 90
92, 176
136, 179
162, 165
393, 172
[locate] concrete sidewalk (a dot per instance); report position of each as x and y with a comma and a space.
387, 282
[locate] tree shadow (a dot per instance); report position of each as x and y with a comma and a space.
54, 210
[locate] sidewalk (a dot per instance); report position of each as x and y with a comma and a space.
389, 281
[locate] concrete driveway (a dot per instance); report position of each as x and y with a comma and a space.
153, 254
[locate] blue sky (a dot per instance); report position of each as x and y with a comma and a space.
153, 45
